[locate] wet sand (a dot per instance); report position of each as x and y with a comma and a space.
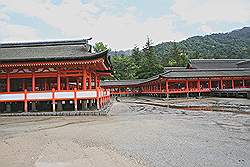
134, 134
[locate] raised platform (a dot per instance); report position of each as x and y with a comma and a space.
63, 113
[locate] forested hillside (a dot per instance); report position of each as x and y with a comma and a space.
150, 60
235, 44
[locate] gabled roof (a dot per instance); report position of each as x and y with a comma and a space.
49, 51
214, 63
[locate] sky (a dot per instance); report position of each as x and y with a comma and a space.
121, 24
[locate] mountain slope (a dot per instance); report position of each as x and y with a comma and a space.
235, 44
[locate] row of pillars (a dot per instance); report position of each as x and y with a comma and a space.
85, 79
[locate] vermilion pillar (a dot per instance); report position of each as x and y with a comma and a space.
232, 84
84, 75
58, 81
199, 85
8, 83
89, 82
221, 84
210, 84
33, 82
67, 83
167, 87
187, 85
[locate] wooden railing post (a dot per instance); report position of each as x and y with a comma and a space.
25, 101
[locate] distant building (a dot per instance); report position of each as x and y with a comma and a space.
200, 77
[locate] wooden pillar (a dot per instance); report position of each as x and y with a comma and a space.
33, 82
58, 81
67, 83
25, 101
84, 75
221, 84
53, 100
75, 100
243, 83
232, 83
210, 84
187, 89
45, 84
199, 85
89, 82
8, 83
167, 91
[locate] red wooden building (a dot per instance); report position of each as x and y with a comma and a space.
200, 77
52, 76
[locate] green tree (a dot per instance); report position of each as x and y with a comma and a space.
124, 67
150, 63
100, 46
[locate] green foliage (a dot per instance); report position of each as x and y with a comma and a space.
99, 47
124, 67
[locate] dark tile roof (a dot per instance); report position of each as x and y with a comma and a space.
186, 73
244, 64
44, 50
203, 73
214, 63
122, 82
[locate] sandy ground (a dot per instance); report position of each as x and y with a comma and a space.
133, 135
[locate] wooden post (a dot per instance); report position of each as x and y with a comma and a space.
8, 83
210, 84
45, 84
232, 83
89, 82
243, 83
25, 101
167, 91
84, 75
67, 83
75, 100
187, 89
53, 100
58, 81
221, 84
33, 82
199, 85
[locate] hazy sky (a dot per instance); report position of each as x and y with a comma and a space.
119, 23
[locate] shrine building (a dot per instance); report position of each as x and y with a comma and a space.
52, 76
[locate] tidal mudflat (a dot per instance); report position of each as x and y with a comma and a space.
135, 133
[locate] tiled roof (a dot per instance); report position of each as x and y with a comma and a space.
186, 73
122, 82
214, 63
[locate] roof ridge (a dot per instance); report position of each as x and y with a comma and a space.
44, 43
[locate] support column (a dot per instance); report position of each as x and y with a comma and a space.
25, 101
89, 82
33, 82
232, 83
199, 87
45, 84
58, 81
8, 83
210, 84
53, 100
84, 75
167, 91
67, 83
243, 83
75, 100
221, 84
187, 89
